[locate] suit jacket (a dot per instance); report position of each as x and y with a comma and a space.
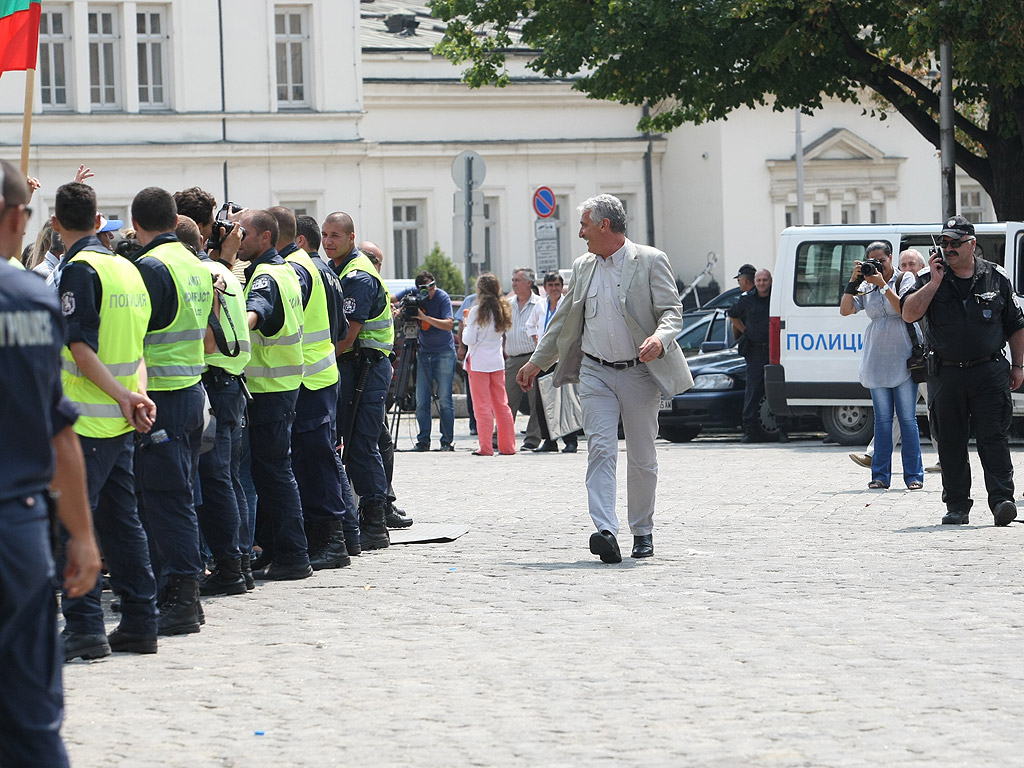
651, 307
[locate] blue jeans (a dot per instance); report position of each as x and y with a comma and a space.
435, 368
904, 399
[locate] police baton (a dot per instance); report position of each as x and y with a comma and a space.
357, 396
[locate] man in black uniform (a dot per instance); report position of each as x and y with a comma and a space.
750, 318
972, 312
34, 409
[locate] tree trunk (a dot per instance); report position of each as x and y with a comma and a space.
1006, 160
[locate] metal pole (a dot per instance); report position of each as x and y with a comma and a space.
947, 145
649, 182
469, 217
799, 154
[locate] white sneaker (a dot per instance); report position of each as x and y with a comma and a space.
863, 459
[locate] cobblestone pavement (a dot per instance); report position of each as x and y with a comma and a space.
790, 617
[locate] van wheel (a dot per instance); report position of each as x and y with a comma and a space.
849, 424
766, 429
678, 434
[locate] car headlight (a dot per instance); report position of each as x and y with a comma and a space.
714, 381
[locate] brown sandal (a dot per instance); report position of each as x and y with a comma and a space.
877, 485
915, 485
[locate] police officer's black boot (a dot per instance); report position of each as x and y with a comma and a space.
226, 579
395, 517
332, 552
179, 611
246, 568
373, 531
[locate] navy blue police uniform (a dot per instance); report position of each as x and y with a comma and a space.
752, 310
364, 299
33, 409
110, 477
279, 525
323, 483
969, 322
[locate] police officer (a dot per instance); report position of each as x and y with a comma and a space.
106, 310
314, 459
749, 317
972, 313
273, 303
167, 458
365, 373
223, 514
34, 408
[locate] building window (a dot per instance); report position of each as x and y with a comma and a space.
103, 59
54, 45
151, 31
407, 223
970, 205
291, 45
877, 214
490, 238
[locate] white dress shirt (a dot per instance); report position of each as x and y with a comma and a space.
605, 333
517, 340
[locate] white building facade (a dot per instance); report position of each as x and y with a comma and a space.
324, 105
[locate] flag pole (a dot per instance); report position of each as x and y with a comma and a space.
26, 126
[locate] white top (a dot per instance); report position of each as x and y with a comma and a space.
484, 343
537, 325
519, 341
605, 334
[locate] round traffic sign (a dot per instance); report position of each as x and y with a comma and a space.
544, 202
467, 166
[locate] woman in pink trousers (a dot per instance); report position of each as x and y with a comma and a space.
484, 333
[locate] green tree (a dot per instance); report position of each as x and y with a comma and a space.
447, 275
698, 61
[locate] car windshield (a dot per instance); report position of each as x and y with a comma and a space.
695, 334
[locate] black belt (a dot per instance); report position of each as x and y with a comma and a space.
620, 365
972, 363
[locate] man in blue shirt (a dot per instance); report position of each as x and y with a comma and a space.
435, 360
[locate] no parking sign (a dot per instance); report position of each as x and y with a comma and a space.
544, 202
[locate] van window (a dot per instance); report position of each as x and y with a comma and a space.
823, 270
990, 247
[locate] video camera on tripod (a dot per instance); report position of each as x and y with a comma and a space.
411, 304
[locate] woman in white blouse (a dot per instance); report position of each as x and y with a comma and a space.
483, 333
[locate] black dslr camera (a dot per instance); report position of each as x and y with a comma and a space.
222, 226
870, 267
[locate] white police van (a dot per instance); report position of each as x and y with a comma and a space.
814, 352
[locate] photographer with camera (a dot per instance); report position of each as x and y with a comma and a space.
435, 359
972, 314
883, 368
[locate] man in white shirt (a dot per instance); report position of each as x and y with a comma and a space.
615, 333
519, 345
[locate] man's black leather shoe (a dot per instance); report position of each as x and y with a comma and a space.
548, 446
80, 645
421, 447
570, 448
128, 642
643, 546
605, 546
396, 518
262, 560
246, 567
275, 572
956, 517
528, 446
1005, 512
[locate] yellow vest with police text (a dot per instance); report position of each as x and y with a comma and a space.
124, 315
233, 307
276, 364
377, 332
175, 357
317, 345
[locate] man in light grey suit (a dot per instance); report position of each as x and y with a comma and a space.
615, 332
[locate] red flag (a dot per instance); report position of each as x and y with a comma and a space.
19, 34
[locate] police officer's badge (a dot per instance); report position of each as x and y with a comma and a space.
349, 306
67, 303
951, 223
261, 282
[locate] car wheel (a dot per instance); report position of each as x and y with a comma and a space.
678, 434
849, 424
767, 429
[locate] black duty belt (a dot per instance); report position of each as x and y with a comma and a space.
972, 363
619, 365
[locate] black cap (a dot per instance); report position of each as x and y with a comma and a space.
746, 269
958, 227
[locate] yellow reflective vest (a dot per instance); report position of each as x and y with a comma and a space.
317, 345
234, 306
377, 332
124, 316
276, 364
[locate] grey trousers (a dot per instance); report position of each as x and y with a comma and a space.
605, 395
515, 393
